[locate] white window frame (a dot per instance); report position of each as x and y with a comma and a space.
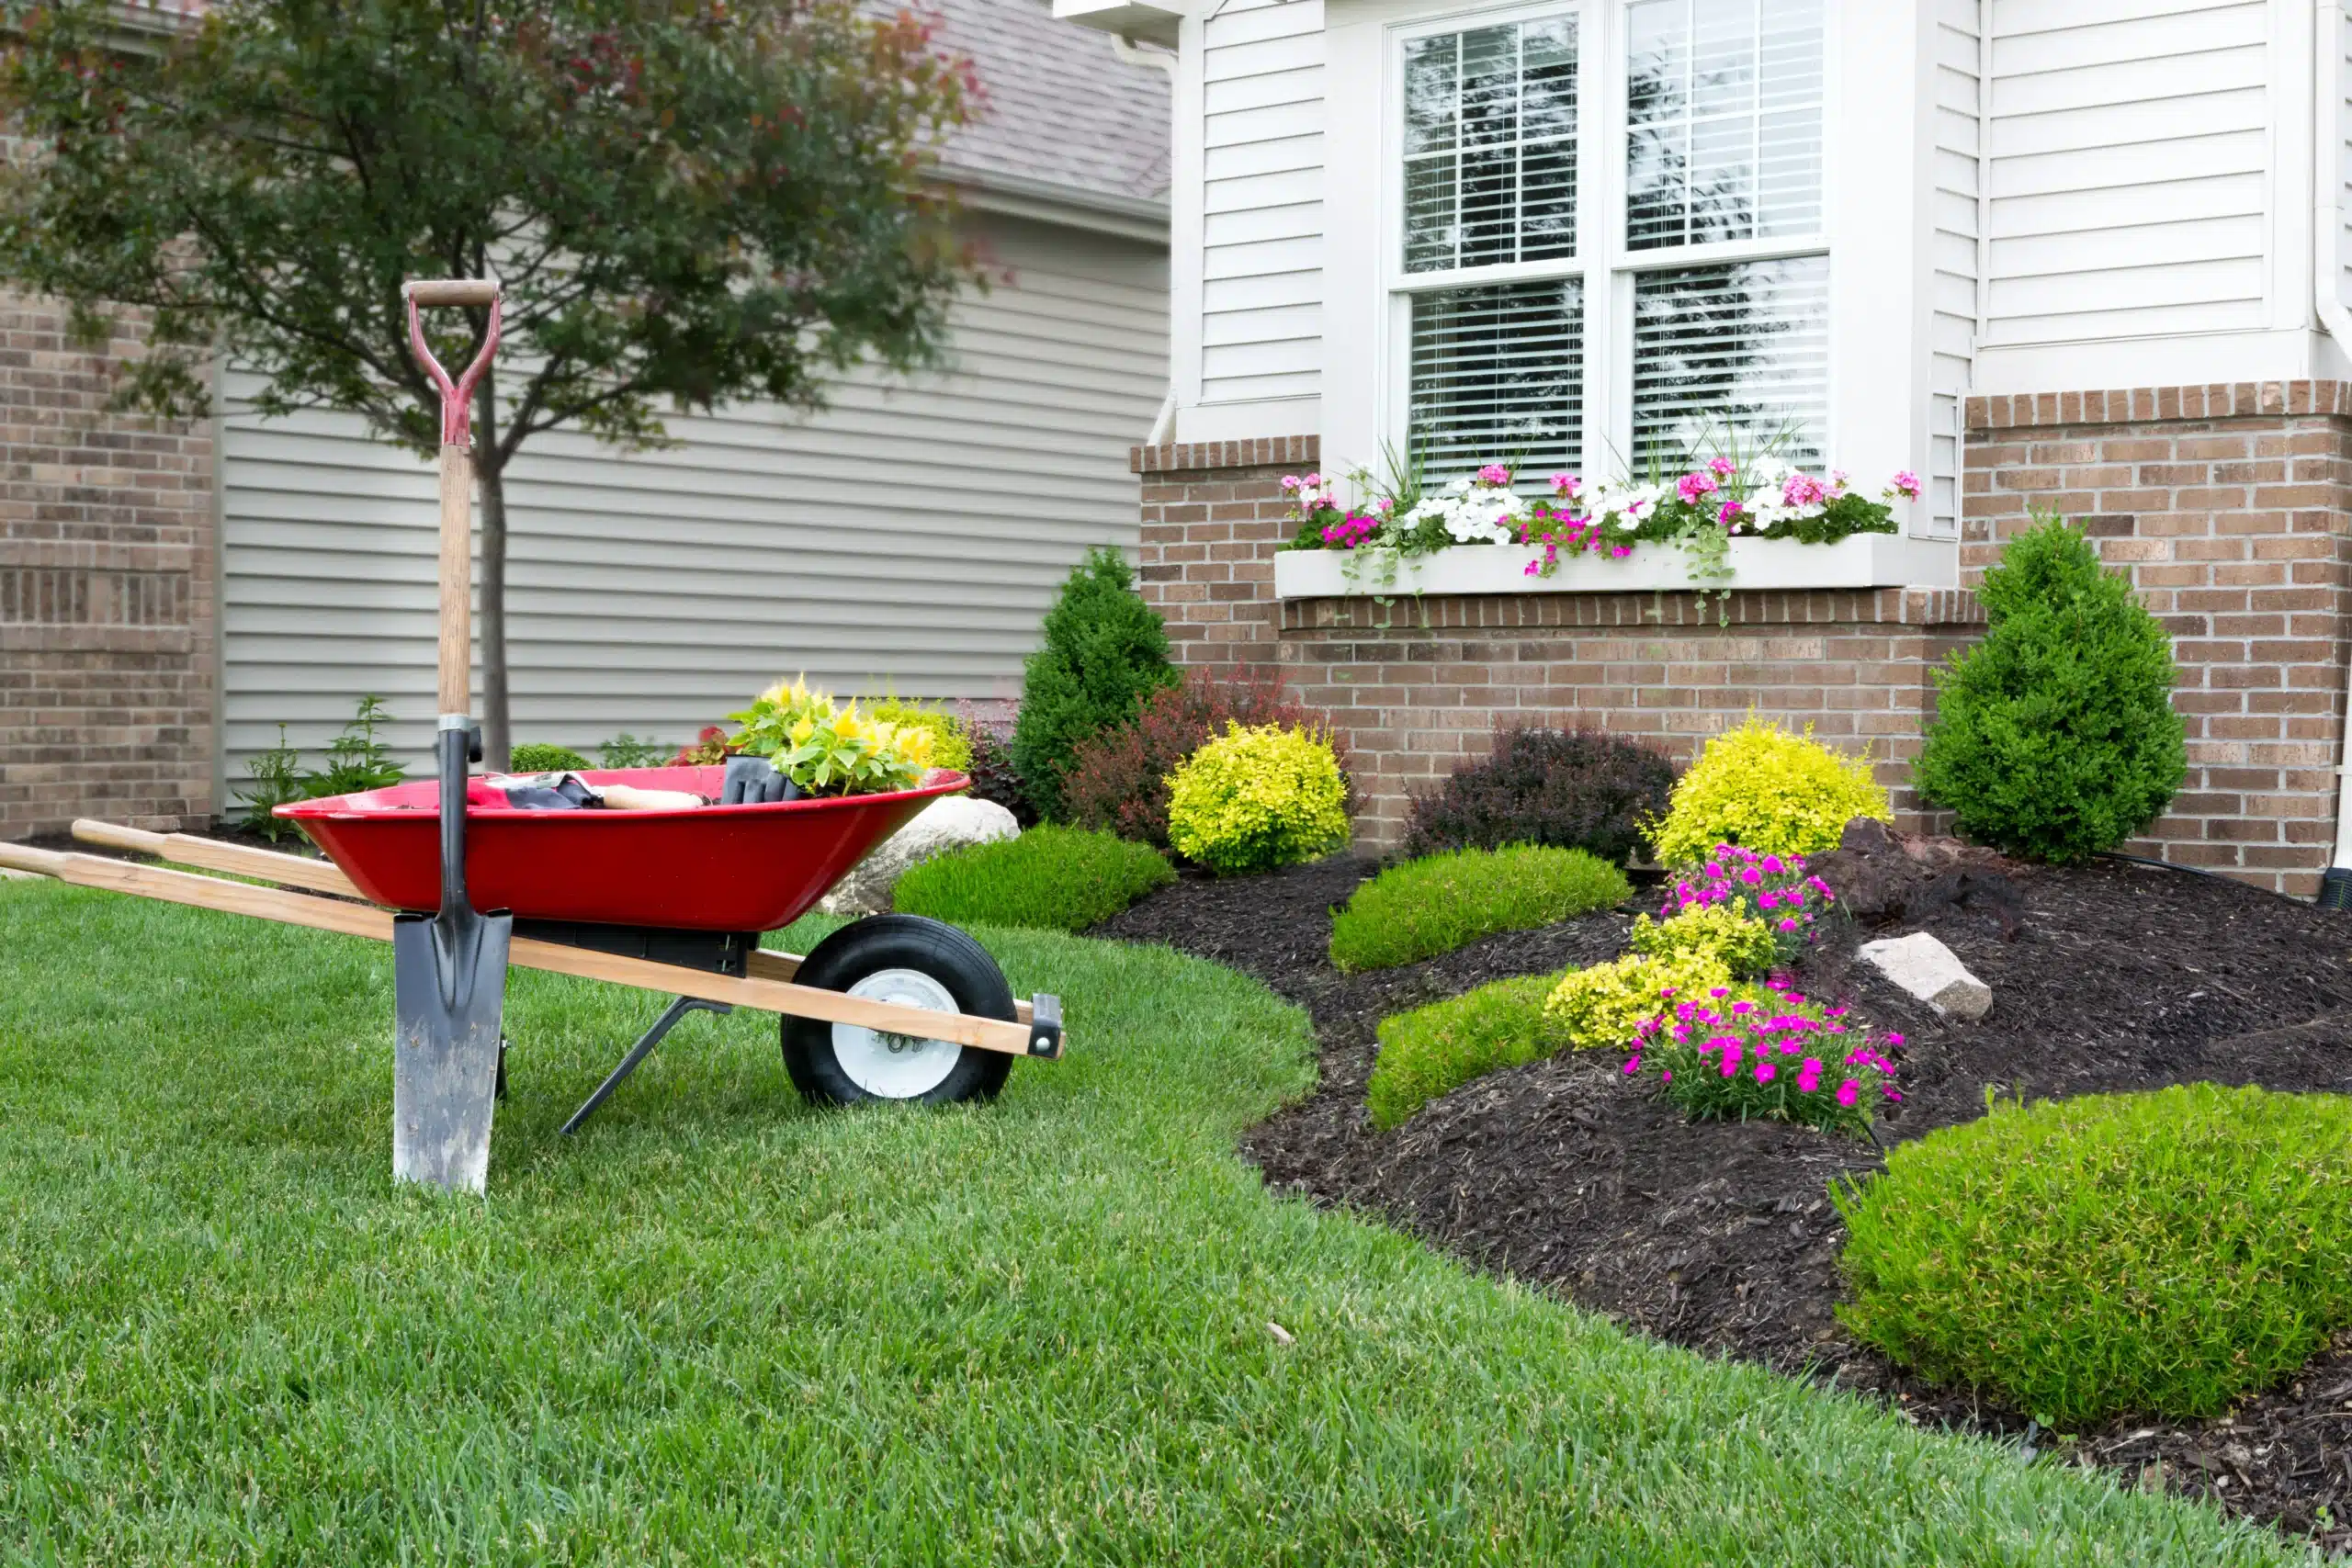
1603, 261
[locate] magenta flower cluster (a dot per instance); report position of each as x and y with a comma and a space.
1775, 889
1350, 531
1731, 1055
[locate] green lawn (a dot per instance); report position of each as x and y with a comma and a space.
719, 1329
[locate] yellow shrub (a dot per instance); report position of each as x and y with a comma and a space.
950, 747
1255, 799
1745, 944
1604, 1005
1764, 787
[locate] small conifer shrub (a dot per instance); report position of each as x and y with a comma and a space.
2055, 737
1104, 651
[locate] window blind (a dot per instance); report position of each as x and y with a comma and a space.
1497, 376
1490, 145
1723, 112
1743, 348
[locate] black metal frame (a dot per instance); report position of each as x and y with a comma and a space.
717, 953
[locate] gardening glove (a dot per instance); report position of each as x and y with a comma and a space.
754, 781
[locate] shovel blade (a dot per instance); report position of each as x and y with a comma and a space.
448, 997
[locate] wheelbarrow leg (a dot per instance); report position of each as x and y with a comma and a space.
638, 1052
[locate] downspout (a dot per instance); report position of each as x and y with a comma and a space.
2328, 228
1165, 60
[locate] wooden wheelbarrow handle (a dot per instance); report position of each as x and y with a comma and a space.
756, 990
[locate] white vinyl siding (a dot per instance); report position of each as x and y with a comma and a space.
1953, 217
1262, 220
2127, 146
2343, 108
909, 538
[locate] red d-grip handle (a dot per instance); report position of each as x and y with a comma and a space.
457, 398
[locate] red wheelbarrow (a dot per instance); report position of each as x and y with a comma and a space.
890, 1008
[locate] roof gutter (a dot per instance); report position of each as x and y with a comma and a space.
2328, 228
1018, 195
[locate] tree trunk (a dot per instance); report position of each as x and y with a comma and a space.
497, 730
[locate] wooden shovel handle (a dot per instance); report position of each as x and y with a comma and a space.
452, 290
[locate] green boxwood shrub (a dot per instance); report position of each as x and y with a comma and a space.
1431, 1050
1434, 904
1056, 878
1104, 651
535, 758
2055, 737
2160, 1254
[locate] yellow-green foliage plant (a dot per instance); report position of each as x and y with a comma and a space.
1257, 799
1440, 902
1606, 1005
1767, 789
1745, 945
950, 747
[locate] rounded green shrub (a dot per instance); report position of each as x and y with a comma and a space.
1104, 651
2162, 1253
1440, 902
1767, 789
534, 758
2055, 737
1258, 799
1053, 878
1433, 1050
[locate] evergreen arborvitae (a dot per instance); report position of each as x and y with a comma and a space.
2055, 738
1105, 650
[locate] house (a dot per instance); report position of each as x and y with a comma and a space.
2085, 254
170, 594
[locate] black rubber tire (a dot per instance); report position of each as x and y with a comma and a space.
899, 942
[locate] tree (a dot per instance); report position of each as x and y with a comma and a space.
689, 201
2055, 738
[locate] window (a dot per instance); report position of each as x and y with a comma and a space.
1692, 301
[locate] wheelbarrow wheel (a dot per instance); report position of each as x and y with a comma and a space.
898, 958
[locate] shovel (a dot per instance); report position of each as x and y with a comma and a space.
449, 969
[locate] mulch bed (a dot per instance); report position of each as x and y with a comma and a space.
1720, 1237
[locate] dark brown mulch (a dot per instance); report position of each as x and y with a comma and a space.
1720, 1236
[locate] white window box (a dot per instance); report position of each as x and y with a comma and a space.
1859, 560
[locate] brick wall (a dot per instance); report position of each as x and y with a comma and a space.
2229, 505
106, 593
1419, 686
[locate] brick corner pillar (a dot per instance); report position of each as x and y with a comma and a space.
109, 597
2230, 506
1214, 514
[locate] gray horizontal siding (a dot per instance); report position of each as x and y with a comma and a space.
909, 538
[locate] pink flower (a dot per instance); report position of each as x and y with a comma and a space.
1906, 484
1292, 481
1635, 1065
1667, 1075
1692, 486
1802, 489
1787, 923
1728, 514
1494, 474
1809, 1074
1893, 1038
1837, 481
1565, 486
1848, 1091
1619, 552
1764, 1071
1721, 467
1774, 865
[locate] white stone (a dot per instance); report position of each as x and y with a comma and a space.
1931, 972
949, 823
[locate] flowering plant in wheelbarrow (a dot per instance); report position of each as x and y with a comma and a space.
826, 749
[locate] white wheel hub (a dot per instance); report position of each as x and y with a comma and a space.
896, 1066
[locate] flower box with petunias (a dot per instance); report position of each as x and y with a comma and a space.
1757, 522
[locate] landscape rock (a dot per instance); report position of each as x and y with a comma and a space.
951, 823
1931, 972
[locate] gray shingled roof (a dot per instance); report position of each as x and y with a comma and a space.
1059, 107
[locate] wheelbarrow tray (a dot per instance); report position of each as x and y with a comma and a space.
715, 868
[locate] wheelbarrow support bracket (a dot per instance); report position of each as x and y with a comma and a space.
1045, 1025
677, 1010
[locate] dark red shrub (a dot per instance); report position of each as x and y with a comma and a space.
992, 774
710, 746
1117, 780
1577, 789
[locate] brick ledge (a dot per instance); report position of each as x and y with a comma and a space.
2135, 405
1200, 457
